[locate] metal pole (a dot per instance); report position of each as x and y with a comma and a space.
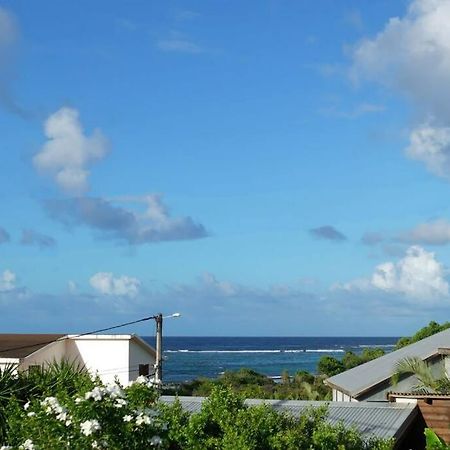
158, 365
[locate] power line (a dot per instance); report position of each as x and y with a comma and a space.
40, 344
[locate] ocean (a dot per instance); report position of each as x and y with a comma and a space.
186, 358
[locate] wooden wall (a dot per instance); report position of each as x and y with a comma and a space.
436, 413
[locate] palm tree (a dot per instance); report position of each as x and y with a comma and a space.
428, 382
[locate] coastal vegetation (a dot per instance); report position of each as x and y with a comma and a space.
63, 408
251, 384
301, 385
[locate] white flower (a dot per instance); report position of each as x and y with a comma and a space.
143, 419
114, 391
96, 394
27, 445
26, 406
94, 444
5, 447
90, 426
68, 422
120, 402
31, 414
127, 418
141, 379
62, 416
155, 440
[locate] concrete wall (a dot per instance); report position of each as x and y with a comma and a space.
107, 358
139, 355
46, 355
7, 362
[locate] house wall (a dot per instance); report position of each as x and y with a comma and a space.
7, 362
45, 356
339, 396
138, 355
436, 413
107, 358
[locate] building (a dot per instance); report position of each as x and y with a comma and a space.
372, 381
110, 356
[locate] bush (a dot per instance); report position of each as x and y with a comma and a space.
224, 422
103, 417
99, 416
427, 331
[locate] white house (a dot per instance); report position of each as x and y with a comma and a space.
110, 356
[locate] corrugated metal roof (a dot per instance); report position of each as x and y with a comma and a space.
361, 378
384, 420
22, 345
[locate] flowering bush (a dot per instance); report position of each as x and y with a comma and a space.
90, 415
106, 416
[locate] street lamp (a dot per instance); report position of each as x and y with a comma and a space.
158, 365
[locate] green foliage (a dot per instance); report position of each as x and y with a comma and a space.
328, 365
224, 422
428, 382
107, 416
251, 384
87, 414
432, 328
433, 441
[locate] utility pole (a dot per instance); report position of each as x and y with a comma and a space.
158, 365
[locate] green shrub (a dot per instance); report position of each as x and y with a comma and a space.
224, 422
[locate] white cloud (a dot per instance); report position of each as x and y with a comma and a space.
418, 275
225, 288
431, 233
7, 281
431, 145
154, 224
69, 152
72, 287
412, 55
178, 42
9, 31
106, 284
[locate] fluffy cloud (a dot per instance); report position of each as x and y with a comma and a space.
327, 232
431, 145
69, 152
32, 237
412, 56
7, 281
155, 224
123, 286
431, 233
418, 275
4, 236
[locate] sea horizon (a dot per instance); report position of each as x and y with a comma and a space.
190, 357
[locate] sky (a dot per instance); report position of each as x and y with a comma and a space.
265, 168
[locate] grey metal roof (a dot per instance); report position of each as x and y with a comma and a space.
361, 378
384, 420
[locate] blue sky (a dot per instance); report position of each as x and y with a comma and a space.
266, 168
